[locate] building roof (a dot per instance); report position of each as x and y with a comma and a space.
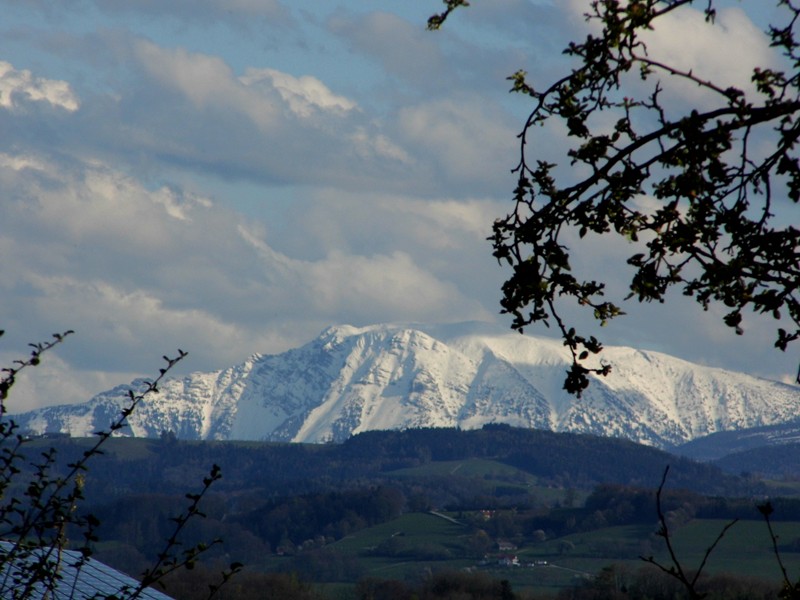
91, 579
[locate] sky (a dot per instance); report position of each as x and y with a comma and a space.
233, 176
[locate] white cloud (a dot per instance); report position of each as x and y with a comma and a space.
138, 272
444, 239
263, 125
55, 381
422, 227
17, 86
446, 223
20, 162
303, 94
376, 145
363, 281
463, 138
725, 52
119, 317
95, 205
383, 288
207, 81
260, 94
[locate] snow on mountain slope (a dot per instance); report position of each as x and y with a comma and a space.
350, 380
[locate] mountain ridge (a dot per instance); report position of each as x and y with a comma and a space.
353, 379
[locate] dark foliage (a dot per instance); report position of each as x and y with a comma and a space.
711, 232
330, 514
248, 585
617, 582
774, 461
444, 585
569, 460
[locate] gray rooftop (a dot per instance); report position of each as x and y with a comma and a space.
92, 579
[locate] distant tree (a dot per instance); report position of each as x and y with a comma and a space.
248, 585
620, 582
466, 586
479, 543
168, 438
717, 174
374, 589
565, 547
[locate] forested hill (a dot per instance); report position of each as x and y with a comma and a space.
559, 459
565, 459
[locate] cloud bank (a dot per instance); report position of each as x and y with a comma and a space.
233, 177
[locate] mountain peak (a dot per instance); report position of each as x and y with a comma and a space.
399, 376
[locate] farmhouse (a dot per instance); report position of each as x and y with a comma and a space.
509, 560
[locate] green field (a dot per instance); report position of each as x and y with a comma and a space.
546, 567
488, 475
442, 540
746, 548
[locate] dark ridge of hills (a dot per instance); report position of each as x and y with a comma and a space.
557, 459
565, 459
771, 452
770, 462
719, 445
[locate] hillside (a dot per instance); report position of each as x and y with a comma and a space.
554, 459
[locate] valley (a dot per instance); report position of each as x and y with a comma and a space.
547, 512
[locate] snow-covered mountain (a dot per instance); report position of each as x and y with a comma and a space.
351, 379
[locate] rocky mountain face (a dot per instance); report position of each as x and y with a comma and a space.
350, 380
